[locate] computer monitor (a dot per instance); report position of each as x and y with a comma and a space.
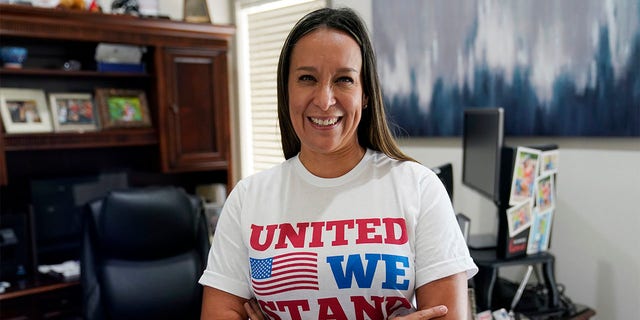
482, 141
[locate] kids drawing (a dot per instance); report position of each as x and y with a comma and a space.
524, 174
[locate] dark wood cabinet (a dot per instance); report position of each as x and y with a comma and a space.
186, 86
197, 132
185, 82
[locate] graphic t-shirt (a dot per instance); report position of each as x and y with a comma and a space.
352, 247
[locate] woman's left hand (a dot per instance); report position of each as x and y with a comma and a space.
431, 313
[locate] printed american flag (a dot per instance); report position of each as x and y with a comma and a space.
285, 272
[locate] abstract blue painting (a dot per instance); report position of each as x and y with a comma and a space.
558, 68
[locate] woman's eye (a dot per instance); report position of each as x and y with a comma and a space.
345, 79
306, 77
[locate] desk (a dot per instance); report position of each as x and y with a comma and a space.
41, 297
488, 266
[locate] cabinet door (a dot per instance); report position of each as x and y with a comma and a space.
3, 164
195, 121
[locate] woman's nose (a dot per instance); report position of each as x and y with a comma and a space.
324, 97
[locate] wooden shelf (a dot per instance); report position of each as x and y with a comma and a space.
73, 140
75, 74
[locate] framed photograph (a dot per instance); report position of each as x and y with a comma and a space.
519, 217
545, 192
525, 171
24, 111
120, 108
73, 112
540, 231
549, 162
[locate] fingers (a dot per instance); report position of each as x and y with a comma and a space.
431, 313
253, 310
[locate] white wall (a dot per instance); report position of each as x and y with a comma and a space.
597, 220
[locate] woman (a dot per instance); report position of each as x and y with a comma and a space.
348, 227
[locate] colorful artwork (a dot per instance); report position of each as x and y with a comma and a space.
540, 231
558, 68
525, 171
519, 217
545, 192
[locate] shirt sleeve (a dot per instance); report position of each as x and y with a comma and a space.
228, 262
440, 247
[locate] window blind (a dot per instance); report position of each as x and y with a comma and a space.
266, 26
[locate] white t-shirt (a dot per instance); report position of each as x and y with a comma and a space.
352, 247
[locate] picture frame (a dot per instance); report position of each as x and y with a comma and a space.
545, 192
519, 217
525, 171
540, 231
122, 108
73, 112
549, 161
24, 111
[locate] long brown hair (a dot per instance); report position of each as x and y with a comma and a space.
373, 130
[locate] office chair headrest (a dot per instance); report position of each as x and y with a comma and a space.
147, 223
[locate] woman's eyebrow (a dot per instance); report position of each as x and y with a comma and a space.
313, 69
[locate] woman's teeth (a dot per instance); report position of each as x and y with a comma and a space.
324, 122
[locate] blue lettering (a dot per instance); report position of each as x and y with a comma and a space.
354, 269
393, 272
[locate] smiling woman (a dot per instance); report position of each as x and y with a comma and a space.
301, 233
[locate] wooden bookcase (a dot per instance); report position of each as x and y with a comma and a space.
186, 85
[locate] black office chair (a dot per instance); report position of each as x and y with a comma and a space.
143, 252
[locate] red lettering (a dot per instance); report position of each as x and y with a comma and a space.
294, 306
339, 225
364, 231
330, 308
362, 306
316, 238
255, 237
269, 308
296, 238
390, 228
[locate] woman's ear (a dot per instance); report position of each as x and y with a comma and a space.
365, 102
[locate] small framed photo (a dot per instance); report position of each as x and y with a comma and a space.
73, 112
540, 231
545, 192
24, 111
549, 161
121, 108
525, 171
519, 217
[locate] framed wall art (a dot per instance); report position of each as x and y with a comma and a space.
73, 112
24, 110
122, 108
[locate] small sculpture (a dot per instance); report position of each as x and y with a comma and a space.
125, 7
72, 4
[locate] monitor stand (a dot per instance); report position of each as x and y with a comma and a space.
482, 241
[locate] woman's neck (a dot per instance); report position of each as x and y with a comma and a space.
331, 165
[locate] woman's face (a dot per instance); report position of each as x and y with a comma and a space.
325, 92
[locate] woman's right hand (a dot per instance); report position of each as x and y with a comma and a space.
253, 310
